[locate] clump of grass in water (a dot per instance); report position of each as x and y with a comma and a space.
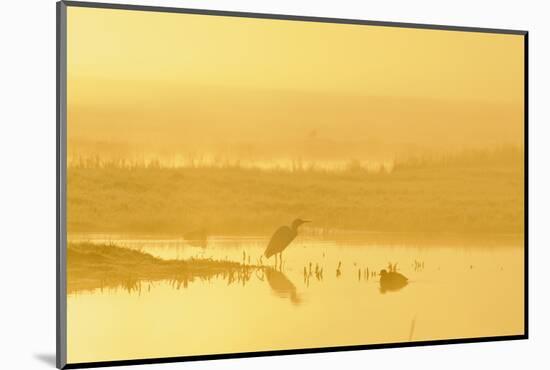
91, 266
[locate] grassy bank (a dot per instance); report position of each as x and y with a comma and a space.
92, 266
483, 194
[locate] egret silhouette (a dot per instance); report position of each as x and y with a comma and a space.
282, 238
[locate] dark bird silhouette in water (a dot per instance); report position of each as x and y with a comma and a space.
391, 281
281, 285
282, 238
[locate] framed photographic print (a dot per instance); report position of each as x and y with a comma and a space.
236, 184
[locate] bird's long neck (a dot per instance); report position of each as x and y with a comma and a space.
293, 233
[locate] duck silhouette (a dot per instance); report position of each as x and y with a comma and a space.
392, 281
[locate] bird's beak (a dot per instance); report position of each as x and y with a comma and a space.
305, 221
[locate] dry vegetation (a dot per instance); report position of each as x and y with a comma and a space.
93, 266
474, 191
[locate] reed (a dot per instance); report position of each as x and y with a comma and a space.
92, 266
449, 194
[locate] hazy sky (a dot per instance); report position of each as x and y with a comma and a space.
185, 48
126, 68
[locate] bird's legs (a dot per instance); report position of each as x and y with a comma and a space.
281, 261
275, 261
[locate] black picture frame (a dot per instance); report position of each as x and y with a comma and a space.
61, 178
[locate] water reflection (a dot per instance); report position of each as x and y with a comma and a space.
113, 287
281, 285
241, 275
108, 266
103, 266
309, 273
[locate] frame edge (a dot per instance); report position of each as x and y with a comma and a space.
61, 121
317, 19
526, 180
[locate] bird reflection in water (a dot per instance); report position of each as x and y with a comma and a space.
281, 285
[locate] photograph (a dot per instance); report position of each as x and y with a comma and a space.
253, 184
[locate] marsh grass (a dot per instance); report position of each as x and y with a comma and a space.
102, 266
469, 192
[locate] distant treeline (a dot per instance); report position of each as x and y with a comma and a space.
501, 156
469, 192
509, 156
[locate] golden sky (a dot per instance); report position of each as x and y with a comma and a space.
212, 83
371, 60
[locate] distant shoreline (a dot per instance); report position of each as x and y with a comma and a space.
469, 193
349, 238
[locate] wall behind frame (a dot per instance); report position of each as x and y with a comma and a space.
28, 200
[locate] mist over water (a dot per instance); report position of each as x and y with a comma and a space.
323, 129
453, 292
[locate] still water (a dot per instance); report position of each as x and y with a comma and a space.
324, 295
